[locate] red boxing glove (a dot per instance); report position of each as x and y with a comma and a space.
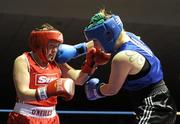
101, 57
95, 57
89, 62
63, 87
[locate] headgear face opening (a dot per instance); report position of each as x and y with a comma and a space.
38, 41
106, 33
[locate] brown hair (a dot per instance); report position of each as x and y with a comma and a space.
45, 27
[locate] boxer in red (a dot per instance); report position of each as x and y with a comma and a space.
39, 79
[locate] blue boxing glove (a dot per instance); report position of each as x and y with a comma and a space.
67, 52
92, 89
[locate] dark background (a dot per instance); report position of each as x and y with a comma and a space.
157, 22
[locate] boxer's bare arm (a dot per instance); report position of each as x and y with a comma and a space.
77, 75
123, 64
21, 79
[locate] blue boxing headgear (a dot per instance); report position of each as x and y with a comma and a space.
106, 33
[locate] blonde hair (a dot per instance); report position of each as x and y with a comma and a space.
105, 13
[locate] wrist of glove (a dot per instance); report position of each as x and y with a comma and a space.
63, 87
89, 67
89, 64
92, 89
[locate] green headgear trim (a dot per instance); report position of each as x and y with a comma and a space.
97, 19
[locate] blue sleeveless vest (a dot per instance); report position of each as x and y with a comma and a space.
155, 74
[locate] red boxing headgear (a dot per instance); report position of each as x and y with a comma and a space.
39, 40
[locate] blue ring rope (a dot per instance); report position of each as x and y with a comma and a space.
86, 112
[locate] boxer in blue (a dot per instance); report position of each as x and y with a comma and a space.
134, 68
